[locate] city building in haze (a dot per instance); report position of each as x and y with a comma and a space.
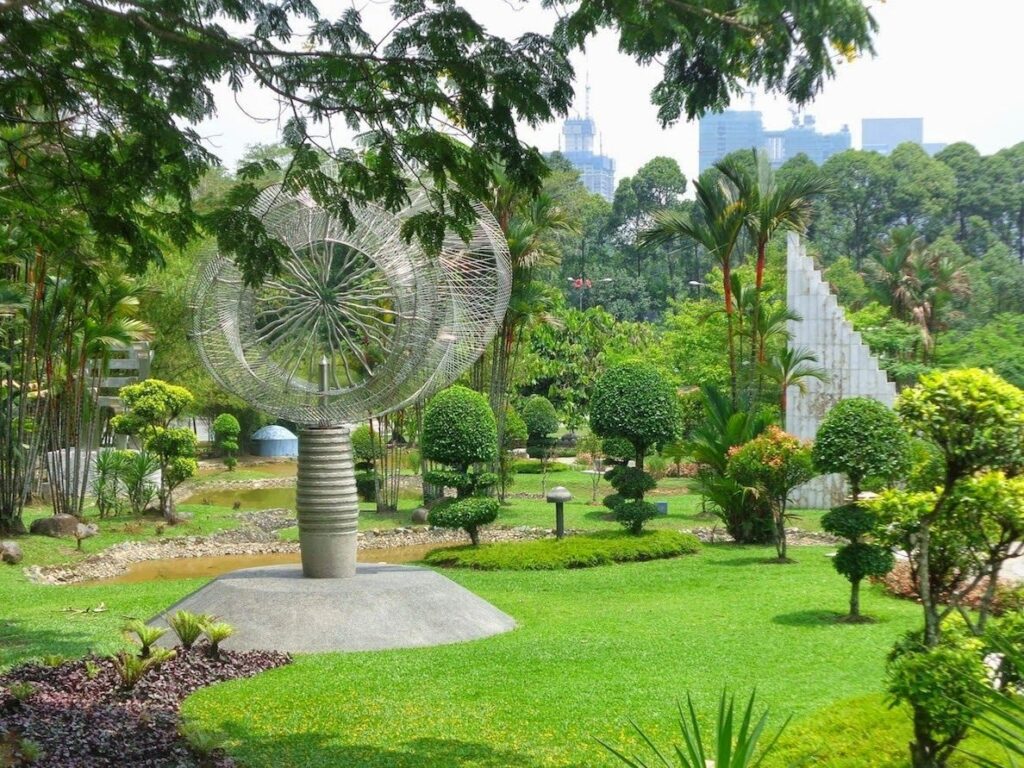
884, 134
597, 171
732, 130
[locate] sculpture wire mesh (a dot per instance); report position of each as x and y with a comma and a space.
381, 320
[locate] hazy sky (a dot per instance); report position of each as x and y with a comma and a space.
955, 64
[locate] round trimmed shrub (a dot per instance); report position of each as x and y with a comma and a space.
366, 447
636, 402
468, 514
634, 513
617, 450
630, 482
858, 561
851, 521
539, 417
862, 438
515, 429
459, 428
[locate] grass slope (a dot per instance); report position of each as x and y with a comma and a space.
41, 620
593, 648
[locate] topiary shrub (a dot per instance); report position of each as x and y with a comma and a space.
226, 430
366, 449
635, 403
466, 513
862, 438
459, 430
770, 466
617, 450
541, 423
858, 559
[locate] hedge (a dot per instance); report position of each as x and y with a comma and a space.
584, 551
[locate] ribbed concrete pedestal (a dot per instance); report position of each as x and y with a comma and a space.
326, 503
384, 606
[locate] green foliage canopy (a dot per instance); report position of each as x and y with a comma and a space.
635, 401
861, 437
459, 428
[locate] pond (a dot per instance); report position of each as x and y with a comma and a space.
248, 498
215, 565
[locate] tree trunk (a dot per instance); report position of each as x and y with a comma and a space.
727, 285
780, 532
474, 535
855, 599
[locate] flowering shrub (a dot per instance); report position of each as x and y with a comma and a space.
769, 467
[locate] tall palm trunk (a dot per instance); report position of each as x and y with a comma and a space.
730, 333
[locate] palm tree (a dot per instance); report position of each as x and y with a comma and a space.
792, 367
769, 206
528, 222
890, 269
716, 223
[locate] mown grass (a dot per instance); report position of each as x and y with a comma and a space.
525, 505
593, 647
583, 551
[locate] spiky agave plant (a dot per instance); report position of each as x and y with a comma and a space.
735, 743
1001, 717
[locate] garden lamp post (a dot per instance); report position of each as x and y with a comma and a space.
558, 496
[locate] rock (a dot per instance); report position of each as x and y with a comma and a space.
419, 515
55, 526
10, 552
86, 531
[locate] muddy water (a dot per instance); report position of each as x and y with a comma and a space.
248, 498
215, 565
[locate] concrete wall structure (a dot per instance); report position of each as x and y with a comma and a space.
852, 370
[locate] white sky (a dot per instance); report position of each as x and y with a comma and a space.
955, 64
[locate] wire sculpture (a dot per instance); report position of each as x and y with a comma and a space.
357, 322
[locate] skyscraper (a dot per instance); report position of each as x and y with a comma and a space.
597, 171
733, 130
726, 132
884, 134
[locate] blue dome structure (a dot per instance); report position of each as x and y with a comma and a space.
274, 440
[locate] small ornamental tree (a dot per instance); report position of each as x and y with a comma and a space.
860, 438
151, 406
859, 558
636, 403
514, 436
366, 450
769, 467
459, 430
975, 420
541, 423
226, 430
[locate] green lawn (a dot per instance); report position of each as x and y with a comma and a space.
525, 505
40, 620
593, 648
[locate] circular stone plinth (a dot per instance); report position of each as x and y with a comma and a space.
382, 606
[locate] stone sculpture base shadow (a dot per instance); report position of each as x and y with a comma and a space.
381, 607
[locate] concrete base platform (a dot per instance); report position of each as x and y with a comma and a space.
382, 606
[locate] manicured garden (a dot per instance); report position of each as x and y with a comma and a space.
593, 648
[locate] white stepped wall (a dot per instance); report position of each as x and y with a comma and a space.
853, 371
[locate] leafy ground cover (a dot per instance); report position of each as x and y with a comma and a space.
78, 714
583, 551
593, 647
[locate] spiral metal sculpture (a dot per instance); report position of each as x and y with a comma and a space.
357, 323
386, 322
